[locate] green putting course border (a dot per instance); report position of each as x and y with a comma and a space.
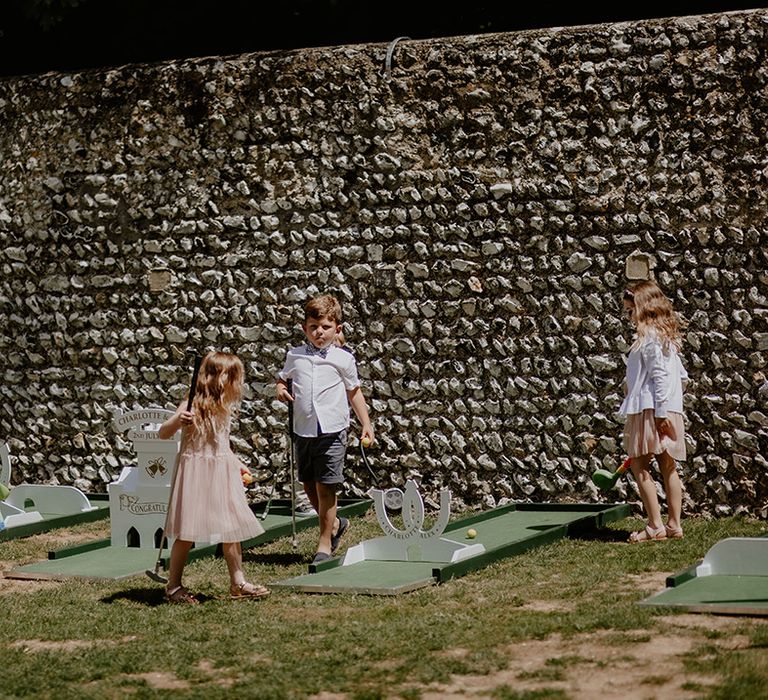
52, 521
98, 559
723, 593
718, 594
394, 577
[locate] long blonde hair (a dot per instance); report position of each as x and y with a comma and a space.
219, 387
654, 314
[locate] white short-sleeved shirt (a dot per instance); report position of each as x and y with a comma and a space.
320, 386
654, 379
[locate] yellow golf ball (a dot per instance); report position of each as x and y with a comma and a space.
471, 533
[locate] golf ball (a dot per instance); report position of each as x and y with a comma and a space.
471, 533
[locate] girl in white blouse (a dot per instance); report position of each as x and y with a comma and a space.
653, 406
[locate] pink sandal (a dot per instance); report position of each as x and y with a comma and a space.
674, 533
648, 535
181, 595
244, 590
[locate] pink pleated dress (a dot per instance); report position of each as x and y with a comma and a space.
642, 438
208, 502
655, 376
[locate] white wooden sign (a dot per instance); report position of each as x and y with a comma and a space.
139, 498
411, 542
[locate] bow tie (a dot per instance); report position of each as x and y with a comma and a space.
320, 352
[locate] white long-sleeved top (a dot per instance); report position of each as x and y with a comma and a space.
320, 386
654, 379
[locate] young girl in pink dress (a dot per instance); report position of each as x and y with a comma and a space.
208, 501
653, 406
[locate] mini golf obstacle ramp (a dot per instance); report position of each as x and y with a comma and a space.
732, 579
24, 517
31, 508
101, 559
408, 558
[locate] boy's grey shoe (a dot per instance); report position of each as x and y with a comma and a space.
304, 508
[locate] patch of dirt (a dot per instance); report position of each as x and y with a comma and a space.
651, 581
387, 664
591, 665
160, 680
547, 606
455, 653
36, 645
219, 676
710, 623
14, 586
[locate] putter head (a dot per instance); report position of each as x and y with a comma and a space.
155, 576
605, 480
393, 499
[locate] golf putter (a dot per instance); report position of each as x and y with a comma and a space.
605, 480
393, 497
155, 574
292, 466
264, 515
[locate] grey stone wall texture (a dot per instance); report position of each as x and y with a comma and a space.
477, 205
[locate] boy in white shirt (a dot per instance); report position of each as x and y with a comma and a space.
325, 385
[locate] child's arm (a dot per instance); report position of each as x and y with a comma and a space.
653, 358
181, 418
284, 376
357, 401
657, 369
281, 391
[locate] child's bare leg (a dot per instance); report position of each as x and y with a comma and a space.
647, 487
238, 586
310, 488
673, 488
233, 555
179, 553
326, 509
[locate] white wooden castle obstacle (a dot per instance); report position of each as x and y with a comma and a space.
138, 499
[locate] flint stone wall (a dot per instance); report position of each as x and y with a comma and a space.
477, 205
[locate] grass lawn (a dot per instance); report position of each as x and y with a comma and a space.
558, 622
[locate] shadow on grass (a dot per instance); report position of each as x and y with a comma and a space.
276, 558
601, 535
151, 597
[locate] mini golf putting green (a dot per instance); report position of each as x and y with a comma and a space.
732, 579
101, 560
505, 531
52, 521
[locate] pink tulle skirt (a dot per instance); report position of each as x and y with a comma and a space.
208, 503
642, 438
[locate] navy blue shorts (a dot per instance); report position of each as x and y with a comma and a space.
321, 458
